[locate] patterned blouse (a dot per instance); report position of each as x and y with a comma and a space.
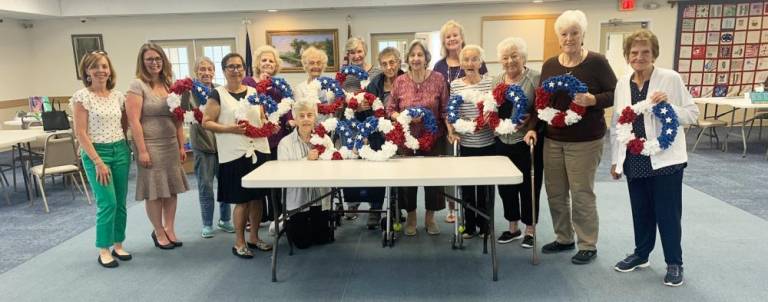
431, 94
639, 166
104, 115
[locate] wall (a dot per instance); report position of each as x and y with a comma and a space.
17, 64
52, 49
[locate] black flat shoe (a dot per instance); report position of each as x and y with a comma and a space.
168, 246
122, 257
112, 264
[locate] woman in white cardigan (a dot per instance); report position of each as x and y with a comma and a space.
655, 175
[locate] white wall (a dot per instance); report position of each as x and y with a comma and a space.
17, 64
52, 48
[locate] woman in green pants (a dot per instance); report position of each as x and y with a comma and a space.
100, 126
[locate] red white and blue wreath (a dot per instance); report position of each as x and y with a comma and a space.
241, 115
285, 104
354, 101
427, 138
333, 93
552, 116
486, 107
357, 71
388, 129
321, 141
641, 146
198, 89
515, 95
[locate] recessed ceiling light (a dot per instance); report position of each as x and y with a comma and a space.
272, 10
538, 1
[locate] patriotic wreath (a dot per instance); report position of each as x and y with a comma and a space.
390, 131
486, 107
427, 138
334, 93
354, 101
514, 94
179, 87
285, 104
321, 141
641, 146
554, 117
355, 70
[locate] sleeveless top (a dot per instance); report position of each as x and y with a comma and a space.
233, 146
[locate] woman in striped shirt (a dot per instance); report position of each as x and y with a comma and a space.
477, 143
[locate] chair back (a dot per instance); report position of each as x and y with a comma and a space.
59, 151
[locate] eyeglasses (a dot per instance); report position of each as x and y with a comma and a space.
154, 60
392, 63
234, 67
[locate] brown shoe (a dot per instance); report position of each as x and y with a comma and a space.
410, 224
432, 227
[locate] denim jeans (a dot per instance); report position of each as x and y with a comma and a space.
206, 167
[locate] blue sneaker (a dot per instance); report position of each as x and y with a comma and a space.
631, 263
207, 232
226, 226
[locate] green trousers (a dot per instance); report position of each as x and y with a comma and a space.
111, 213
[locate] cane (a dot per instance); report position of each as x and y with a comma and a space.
535, 256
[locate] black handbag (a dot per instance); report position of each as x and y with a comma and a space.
55, 119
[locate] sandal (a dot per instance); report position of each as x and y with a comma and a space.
242, 252
260, 245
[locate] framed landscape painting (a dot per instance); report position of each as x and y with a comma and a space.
290, 44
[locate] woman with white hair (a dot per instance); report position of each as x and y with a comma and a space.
478, 142
206, 160
420, 87
513, 54
313, 61
572, 150
452, 40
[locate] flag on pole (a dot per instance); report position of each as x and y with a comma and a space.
248, 56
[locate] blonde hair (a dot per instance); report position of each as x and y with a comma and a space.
444, 29
166, 74
265, 49
510, 43
313, 52
569, 18
642, 36
91, 59
353, 42
474, 47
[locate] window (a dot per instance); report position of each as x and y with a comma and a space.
182, 55
381, 41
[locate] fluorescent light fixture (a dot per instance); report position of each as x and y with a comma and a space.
272, 10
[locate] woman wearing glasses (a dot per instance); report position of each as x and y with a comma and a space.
100, 126
159, 143
238, 154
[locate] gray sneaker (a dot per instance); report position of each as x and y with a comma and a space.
226, 226
373, 220
674, 275
631, 263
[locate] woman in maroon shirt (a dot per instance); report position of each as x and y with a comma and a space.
420, 87
572, 153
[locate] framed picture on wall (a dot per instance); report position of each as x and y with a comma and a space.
84, 44
290, 44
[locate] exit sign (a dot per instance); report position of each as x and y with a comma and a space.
627, 5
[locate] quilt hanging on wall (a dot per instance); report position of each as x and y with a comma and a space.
722, 46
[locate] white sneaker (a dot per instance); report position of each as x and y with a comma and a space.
272, 226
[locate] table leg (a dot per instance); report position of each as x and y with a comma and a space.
276, 218
24, 171
728, 132
490, 204
743, 137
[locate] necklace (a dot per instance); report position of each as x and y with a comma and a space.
452, 77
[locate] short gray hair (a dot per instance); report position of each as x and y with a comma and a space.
511, 43
303, 106
202, 59
389, 51
419, 43
569, 18
474, 47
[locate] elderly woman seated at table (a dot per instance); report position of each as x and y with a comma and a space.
310, 226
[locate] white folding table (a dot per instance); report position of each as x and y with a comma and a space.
397, 172
736, 103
